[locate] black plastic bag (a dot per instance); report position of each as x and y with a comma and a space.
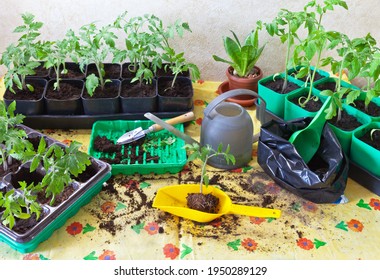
322, 180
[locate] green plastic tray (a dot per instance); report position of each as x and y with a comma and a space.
172, 158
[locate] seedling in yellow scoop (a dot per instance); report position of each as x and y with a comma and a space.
172, 199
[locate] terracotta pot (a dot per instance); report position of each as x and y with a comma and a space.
236, 82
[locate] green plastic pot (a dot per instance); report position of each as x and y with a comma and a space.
275, 102
363, 154
344, 136
294, 111
325, 75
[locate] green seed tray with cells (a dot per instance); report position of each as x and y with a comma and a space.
158, 152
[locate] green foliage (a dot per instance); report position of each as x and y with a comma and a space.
286, 25
19, 204
57, 53
140, 46
204, 153
147, 46
309, 51
61, 163
21, 58
12, 138
243, 57
96, 45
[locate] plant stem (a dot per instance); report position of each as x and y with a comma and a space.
5, 163
100, 75
285, 84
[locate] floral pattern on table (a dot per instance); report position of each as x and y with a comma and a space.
121, 223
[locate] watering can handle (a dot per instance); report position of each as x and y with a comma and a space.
235, 92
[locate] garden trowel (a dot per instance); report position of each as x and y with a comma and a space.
139, 132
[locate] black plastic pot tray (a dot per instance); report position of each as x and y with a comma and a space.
86, 121
356, 173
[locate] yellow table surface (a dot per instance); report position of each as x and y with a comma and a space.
123, 225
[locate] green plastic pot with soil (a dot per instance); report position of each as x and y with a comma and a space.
294, 110
271, 90
365, 148
351, 120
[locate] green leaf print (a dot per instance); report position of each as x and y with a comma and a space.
120, 206
88, 228
362, 204
187, 250
144, 185
318, 243
342, 225
42, 257
234, 244
137, 228
91, 256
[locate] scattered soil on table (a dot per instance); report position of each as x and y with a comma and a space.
26, 94
374, 142
277, 84
137, 90
181, 88
67, 91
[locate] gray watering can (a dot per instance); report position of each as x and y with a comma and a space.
229, 123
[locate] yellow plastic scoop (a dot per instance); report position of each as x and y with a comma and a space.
172, 199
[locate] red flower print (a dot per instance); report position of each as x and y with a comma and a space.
67, 142
256, 220
355, 225
237, 170
199, 102
152, 228
31, 257
272, 188
200, 81
375, 203
107, 255
132, 184
108, 207
198, 121
249, 244
310, 206
74, 229
305, 243
171, 251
